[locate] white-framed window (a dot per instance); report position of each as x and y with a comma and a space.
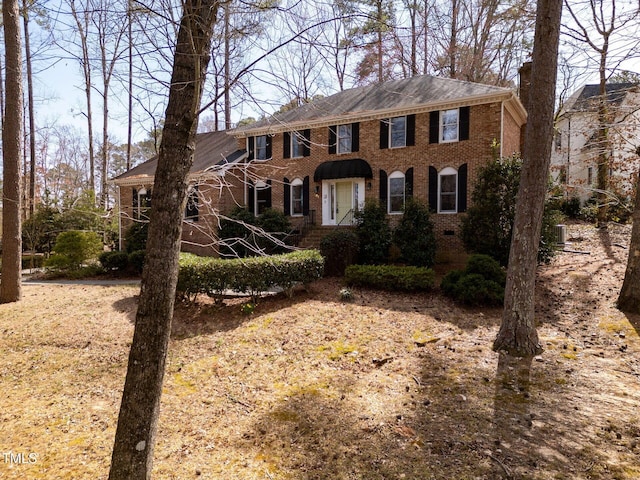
448, 190
449, 125
345, 138
262, 197
397, 132
297, 193
297, 145
590, 176
396, 192
261, 147
192, 209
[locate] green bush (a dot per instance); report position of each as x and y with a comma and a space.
135, 238
487, 227
116, 260
214, 276
482, 282
340, 249
136, 261
242, 234
390, 277
570, 207
73, 248
374, 233
415, 235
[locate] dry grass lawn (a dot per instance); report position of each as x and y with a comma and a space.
387, 386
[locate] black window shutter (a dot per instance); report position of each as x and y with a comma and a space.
383, 188
268, 202
135, 198
434, 127
269, 141
252, 148
411, 130
384, 133
463, 134
332, 139
286, 145
355, 137
305, 195
408, 183
287, 196
251, 198
433, 189
462, 188
306, 149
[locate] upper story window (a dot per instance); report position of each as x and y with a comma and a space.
398, 132
296, 144
449, 125
345, 138
396, 192
448, 191
259, 147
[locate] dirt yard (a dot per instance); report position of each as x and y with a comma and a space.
387, 386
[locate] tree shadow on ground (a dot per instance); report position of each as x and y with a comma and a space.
204, 316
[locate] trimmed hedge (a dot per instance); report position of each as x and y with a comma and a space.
253, 275
390, 277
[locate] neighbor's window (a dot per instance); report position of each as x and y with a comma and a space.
296, 197
396, 192
448, 191
345, 138
449, 125
398, 132
263, 197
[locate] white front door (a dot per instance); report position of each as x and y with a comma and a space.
340, 199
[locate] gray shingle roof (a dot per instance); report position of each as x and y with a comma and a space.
421, 90
213, 148
589, 96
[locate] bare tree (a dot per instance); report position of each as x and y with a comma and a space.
518, 335
10, 284
137, 423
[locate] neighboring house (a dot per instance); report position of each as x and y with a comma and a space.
422, 137
577, 149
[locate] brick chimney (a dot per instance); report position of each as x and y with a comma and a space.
525, 84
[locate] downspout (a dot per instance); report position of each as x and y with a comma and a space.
119, 219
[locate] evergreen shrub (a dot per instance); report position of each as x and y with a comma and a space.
374, 233
74, 248
482, 282
415, 235
340, 249
114, 261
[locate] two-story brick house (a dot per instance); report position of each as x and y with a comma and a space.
422, 137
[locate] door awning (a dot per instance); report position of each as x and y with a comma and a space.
355, 168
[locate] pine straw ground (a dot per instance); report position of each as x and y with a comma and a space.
388, 386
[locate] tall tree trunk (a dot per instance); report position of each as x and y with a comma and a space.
130, 91
603, 139
518, 335
10, 283
32, 124
137, 423
453, 41
629, 298
227, 67
85, 62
